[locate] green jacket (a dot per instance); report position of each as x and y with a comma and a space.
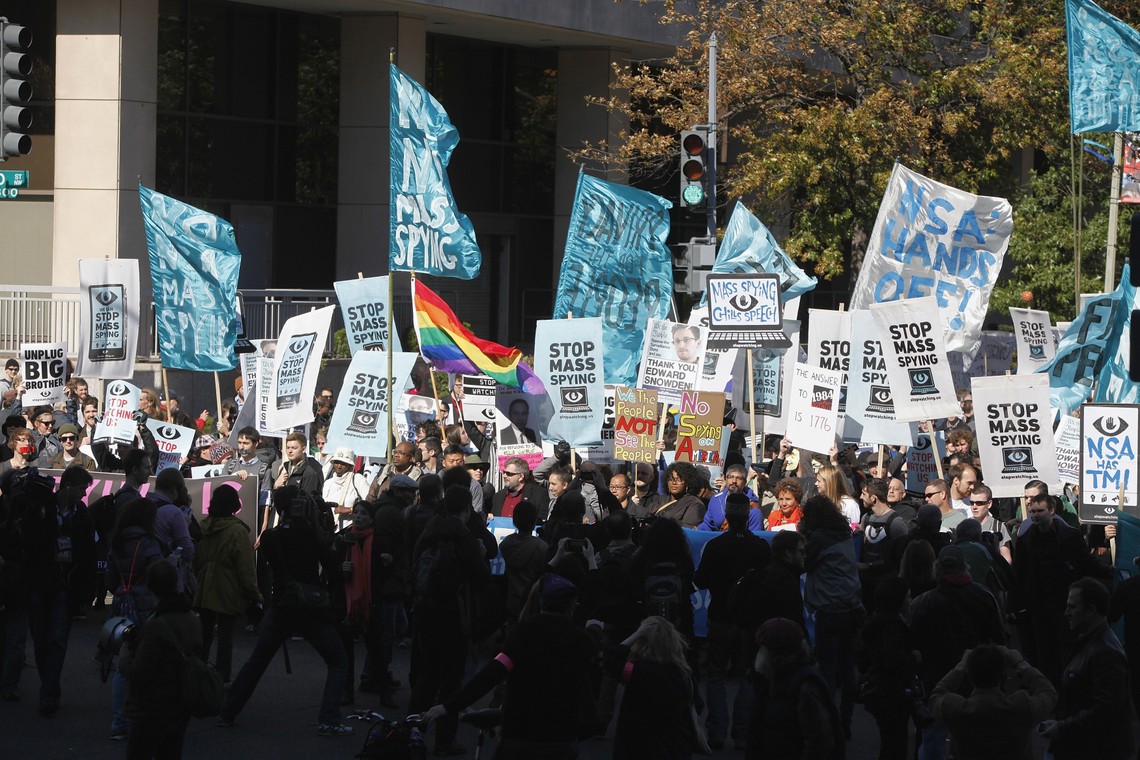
224, 564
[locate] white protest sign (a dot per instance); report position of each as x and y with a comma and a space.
1067, 439
44, 368
262, 397
568, 358
367, 317
716, 369
771, 379
870, 403
109, 317
1014, 431
917, 368
1110, 434
173, 442
208, 471
1034, 334
517, 426
299, 349
479, 393
921, 467
116, 424
360, 419
813, 407
829, 346
671, 359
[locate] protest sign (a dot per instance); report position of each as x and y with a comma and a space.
635, 427
699, 427
116, 425
672, 358
262, 400
931, 239
813, 407
516, 426
771, 379
1034, 334
173, 442
1014, 432
44, 369
411, 410
1067, 439
297, 362
994, 356
479, 392
870, 403
921, 467
208, 471
917, 368
367, 315
603, 452
568, 358
360, 419
716, 369
1109, 441
109, 317
829, 346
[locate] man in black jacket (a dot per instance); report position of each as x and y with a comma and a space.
518, 486
298, 468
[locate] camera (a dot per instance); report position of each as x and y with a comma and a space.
576, 545
139, 417
116, 632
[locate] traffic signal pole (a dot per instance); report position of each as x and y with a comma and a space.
710, 215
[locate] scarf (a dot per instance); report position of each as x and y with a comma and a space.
358, 588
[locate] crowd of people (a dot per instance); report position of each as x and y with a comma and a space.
962, 623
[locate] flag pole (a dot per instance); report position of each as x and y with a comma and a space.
218, 398
751, 403
391, 333
1113, 212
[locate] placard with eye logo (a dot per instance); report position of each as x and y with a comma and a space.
1109, 434
360, 419
1014, 427
915, 352
568, 357
870, 403
173, 442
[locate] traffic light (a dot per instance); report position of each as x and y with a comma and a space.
694, 149
15, 65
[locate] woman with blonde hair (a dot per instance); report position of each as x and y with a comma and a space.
148, 403
832, 483
656, 718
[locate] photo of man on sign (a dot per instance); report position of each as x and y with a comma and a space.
686, 342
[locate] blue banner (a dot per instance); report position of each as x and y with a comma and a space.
367, 314
568, 358
1113, 385
617, 267
748, 247
194, 262
1085, 347
360, 420
427, 232
1104, 56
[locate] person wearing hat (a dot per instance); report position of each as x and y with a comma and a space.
477, 468
69, 454
343, 487
11, 387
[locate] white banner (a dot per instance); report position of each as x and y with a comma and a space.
771, 380
516, 426
262, 398
1034, 333
1067, 438
479, 393
716, 369
367, 316
870, 403
109, 318
173, 442
568, 358
931, 239
44, 369
1110, 437
360, 419
1014, 432
672, 358
116, 424
921, 467
829, 346
299, 349
917, 369
813, 407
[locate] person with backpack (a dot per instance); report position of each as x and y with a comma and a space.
724, 561
662, 568
524, 555
448, 564
881, 527
152, 664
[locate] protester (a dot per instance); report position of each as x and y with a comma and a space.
830, 482
888, 661
882, 528
69, 454
517, 487
298, 469
524, 555
681, 503
993, 529
734, 477
391, 558
343, 487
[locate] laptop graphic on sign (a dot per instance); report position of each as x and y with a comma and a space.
745, 311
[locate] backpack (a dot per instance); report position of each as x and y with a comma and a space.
618, 594
742, 597
436, 575
392, 740
664, 591
877, 540
103, 515
201, 684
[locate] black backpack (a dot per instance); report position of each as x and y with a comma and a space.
742, 607
664, 591
618, 596
437, 575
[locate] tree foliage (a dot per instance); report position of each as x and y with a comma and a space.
819, 98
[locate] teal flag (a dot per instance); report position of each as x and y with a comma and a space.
427, 232
748, 246
194, 262
1104, 70
1113, 385
617, 267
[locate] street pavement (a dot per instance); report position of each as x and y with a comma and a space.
278, 722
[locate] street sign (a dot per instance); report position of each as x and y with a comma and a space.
12, 182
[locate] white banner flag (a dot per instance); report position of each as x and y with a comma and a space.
917, 368
1015, 432
1034, 333
299, 349
44, 369
870, 403
367, 316
360, 419
116, 424
829, 346
813, 407
109, 317
1067, 438
671, 359
173, 442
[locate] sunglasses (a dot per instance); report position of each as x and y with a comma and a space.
45, 422
932, 493
508, 474
980, 503
67, 438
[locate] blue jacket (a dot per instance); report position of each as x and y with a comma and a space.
714, 517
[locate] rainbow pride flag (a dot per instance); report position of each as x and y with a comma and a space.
450, 347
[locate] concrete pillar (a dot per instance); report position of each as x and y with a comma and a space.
582, 73
363, 187
106, 95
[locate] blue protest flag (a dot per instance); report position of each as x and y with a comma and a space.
1087, 346
427, 232
748, 246
1104, 55
1113, 384
194, 262
617, 267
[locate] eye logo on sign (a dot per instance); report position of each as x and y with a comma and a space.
363, 421
167, 432
921, 381
118, 389
373, 347
299, 345
743, 302
712, 359
487, 414
821, 397
1110, 426
923, 443
1037, 351
575, 399
106, 297
1016, 459
881, 401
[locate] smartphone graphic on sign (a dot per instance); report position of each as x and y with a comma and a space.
108, 323
294, 358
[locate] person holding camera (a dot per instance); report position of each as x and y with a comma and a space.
299, 605
115, 460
